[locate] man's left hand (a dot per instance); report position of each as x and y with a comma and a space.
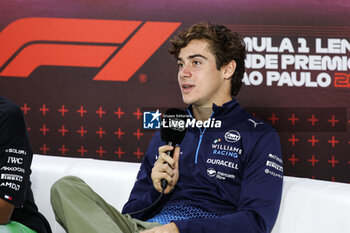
167, 228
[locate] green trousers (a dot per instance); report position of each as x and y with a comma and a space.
15, 227
79, 209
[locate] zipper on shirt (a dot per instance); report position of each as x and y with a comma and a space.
199, 144
200, 137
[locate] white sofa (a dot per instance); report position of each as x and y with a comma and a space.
308, 206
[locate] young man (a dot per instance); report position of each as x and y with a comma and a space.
18, 212
226, 179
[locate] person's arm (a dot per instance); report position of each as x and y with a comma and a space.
168, 228
6, 210
143, 193
165, 167
260, 194
15, 160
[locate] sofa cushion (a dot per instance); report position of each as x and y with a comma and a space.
307, 206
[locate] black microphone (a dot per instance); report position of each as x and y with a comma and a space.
172, 131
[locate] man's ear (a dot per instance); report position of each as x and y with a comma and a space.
229, 69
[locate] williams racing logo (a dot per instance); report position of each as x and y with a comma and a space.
225, 150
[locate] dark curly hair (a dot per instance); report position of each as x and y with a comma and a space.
224, 44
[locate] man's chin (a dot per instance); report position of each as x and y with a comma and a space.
188, 101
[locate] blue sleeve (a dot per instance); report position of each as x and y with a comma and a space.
260, 195
143, 193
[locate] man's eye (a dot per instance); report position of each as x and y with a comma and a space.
196, 63
180, 65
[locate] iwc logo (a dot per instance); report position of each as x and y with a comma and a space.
232, 136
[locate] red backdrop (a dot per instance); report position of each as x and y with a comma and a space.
82, 71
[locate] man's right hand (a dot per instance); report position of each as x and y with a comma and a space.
6, 210
166, 168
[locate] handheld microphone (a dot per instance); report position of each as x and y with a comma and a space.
172, 131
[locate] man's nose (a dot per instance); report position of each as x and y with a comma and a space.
185, 72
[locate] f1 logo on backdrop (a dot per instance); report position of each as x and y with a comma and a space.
118, 47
